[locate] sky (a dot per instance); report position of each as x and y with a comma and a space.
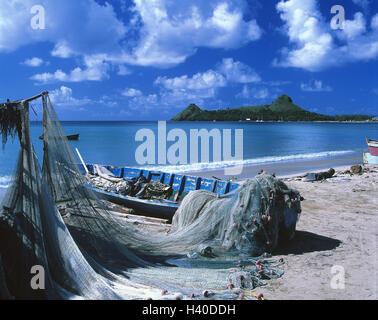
149, 59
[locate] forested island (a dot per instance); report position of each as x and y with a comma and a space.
282, 109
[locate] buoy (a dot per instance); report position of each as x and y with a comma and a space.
269, 219
281, 259
192, 295
205, 293
230, 286
261, 272
258, 266
233, 270
247, 224
271, 272
225, 230
242, 206
241, 296
163, 292
255, 222
234, 225
258, 262
260, 296
227, 238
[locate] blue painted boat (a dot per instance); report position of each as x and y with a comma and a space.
181, 186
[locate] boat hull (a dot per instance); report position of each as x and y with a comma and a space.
163, 209
373, 147
370, 159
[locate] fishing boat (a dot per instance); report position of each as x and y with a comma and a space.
72, 137
373, 146
371, 157
181, 186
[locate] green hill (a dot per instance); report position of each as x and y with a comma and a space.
282, 109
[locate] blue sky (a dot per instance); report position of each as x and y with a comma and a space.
149, 59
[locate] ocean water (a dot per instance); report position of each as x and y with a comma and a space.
113, 143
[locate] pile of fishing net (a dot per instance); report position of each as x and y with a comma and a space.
89, 253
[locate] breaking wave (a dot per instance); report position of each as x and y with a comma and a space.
248, 162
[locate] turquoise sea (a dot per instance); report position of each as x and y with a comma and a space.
113, 143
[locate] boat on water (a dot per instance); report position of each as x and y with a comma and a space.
371, 157
72, 137
181, 185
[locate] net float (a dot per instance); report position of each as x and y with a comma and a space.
242, 206
205, 293
233, 270
271, 272
241, 296
260, 272
234, 225
258, 266
269, 218
247, 224
230, 286
178, 297
281, 259
227, 238
192, 295
225, 230
258, 262
241, 277
255, 222
163, 292
268, 243
260, 296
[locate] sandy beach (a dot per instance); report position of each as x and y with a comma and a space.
336, 236
337, 227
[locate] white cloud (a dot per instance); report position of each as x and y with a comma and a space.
199, 81
33, 62
315, 46
171, 31
159, 33
131, 92
315, 86
96, 69
258, 93
236, 71
63, 97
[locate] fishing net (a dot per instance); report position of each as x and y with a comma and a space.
52, 218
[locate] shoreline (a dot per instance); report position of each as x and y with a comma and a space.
283, 169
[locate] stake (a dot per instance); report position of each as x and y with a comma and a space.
82, 161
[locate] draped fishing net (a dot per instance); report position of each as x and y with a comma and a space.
54, 219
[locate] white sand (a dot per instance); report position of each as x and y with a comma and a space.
338, 227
